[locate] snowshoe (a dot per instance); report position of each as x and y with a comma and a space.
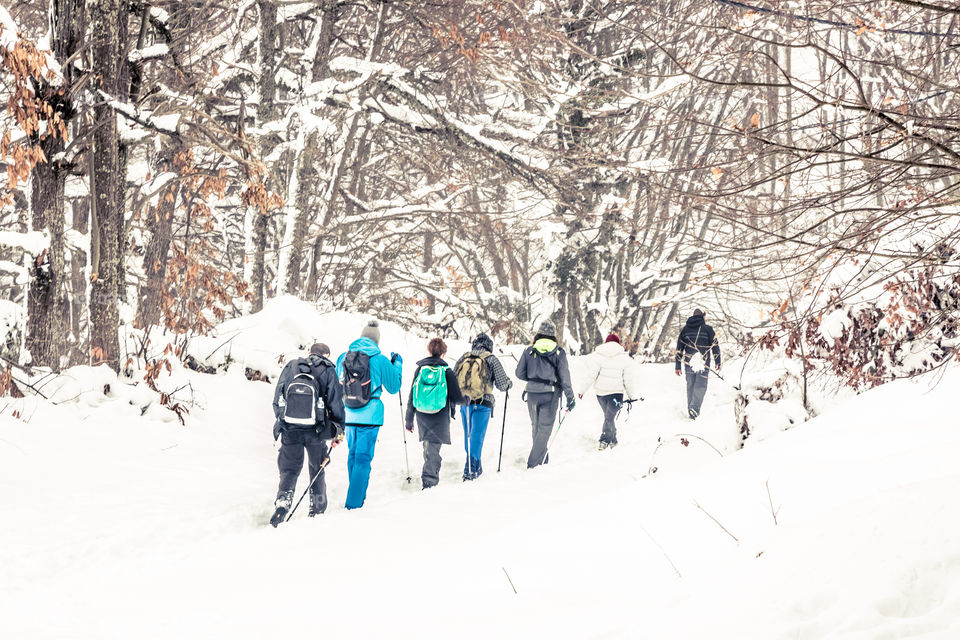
278, 516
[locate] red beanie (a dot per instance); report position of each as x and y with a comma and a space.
613, 338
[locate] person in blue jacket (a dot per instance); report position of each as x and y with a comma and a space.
362, 423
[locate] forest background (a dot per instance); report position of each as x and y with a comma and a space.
791, 167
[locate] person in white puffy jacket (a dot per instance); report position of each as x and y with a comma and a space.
613, 374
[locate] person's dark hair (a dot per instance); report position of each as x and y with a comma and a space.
320, 349
698, 312
437, 347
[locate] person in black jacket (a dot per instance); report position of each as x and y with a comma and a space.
434, 427
695, 346
543, 366
295, 438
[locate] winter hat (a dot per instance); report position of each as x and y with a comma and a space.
371, 331
547, 328
320, 349
613, 338
482, 342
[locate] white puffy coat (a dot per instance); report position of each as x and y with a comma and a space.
610, 370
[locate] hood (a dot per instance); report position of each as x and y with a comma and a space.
316, 360
696, 322
365, 345
482, 342
545, 345
431, 361
610, 349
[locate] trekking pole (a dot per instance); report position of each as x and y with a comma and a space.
469, 432
563, 416
323, 466
506, 399
406, 454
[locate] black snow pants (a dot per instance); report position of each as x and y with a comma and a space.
290, 462
611, 407
543, 412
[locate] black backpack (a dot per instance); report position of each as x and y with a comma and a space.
356, 379
302, 401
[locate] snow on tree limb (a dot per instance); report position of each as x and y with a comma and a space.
166, 125
33, 242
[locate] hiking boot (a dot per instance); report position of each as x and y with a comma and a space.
693, 414
278, 516
284, 499
604, 444
472, 469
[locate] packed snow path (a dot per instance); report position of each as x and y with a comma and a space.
118, 526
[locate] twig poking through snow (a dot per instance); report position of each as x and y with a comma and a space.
654, 541
509, 579
770, 499
697, 505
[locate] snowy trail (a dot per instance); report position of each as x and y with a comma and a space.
120, 526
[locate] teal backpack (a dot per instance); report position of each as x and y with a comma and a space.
430, 390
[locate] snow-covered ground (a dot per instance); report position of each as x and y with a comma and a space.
117, 525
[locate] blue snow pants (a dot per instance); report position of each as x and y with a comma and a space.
475, 418
361, 442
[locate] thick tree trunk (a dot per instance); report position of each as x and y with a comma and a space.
258, 262
46, 332
256, 231
47, 300
105, 19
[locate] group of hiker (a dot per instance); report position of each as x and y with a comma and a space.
317, 401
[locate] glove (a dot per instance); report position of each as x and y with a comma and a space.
409, 427
677, 371
571, 405
396, 359
337, 439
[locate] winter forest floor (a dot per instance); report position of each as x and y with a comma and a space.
117, 526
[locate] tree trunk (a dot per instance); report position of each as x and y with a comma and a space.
122, 94
155, 258
46, 332
105, 19
79, 317
256, 221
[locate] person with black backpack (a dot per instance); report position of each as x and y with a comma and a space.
308, 408
543, 366
364, 374
433, 397
696, 345
478, 371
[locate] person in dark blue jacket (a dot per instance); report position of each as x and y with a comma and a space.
363, 423
695, 346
